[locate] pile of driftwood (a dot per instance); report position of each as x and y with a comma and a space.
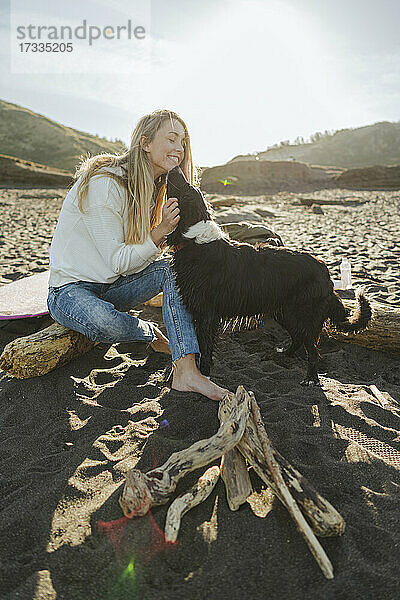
241, 441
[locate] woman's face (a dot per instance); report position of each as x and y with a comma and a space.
167, 148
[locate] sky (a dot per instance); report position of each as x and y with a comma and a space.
243, 74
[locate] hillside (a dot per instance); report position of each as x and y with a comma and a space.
33, 137
377, 144
15, 172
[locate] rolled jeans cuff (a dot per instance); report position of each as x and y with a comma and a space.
177, 353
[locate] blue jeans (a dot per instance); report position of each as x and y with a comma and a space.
98, 309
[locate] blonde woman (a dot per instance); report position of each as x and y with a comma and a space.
105, 253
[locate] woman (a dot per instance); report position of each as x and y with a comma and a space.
105, 253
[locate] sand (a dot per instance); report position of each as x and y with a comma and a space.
68, 437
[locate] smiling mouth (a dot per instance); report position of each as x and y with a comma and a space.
174, 158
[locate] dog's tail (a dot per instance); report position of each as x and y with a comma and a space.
350, 322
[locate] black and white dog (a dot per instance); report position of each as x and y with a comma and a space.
220, 279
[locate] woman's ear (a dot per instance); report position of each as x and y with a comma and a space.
144, 143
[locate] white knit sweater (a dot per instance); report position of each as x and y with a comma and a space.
91, 246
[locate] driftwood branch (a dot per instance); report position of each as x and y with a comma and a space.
181, 505
315, 547
143, 490
236, 478
235, 475
388, 403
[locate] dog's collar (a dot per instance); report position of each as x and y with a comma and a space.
183, 244
179, 247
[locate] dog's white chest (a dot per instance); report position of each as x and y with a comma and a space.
204, 232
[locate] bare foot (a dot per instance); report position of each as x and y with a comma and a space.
187, 378
201, 385
161, 344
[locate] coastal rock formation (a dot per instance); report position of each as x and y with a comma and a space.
15, 172
263, 176
379, 177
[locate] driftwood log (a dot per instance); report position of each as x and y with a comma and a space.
383, 332
321, 201
156, 301
323, 518
180, 506
43, 351
236, 478
144, 490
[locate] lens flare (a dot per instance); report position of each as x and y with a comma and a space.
126, 584
135, 547
115, 532
225, 182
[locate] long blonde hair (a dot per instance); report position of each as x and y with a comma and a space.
137, 176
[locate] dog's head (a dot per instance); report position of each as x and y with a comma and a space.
192, 206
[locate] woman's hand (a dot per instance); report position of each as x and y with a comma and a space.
170, 216
169, 222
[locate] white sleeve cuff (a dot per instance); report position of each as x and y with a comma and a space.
150, 249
